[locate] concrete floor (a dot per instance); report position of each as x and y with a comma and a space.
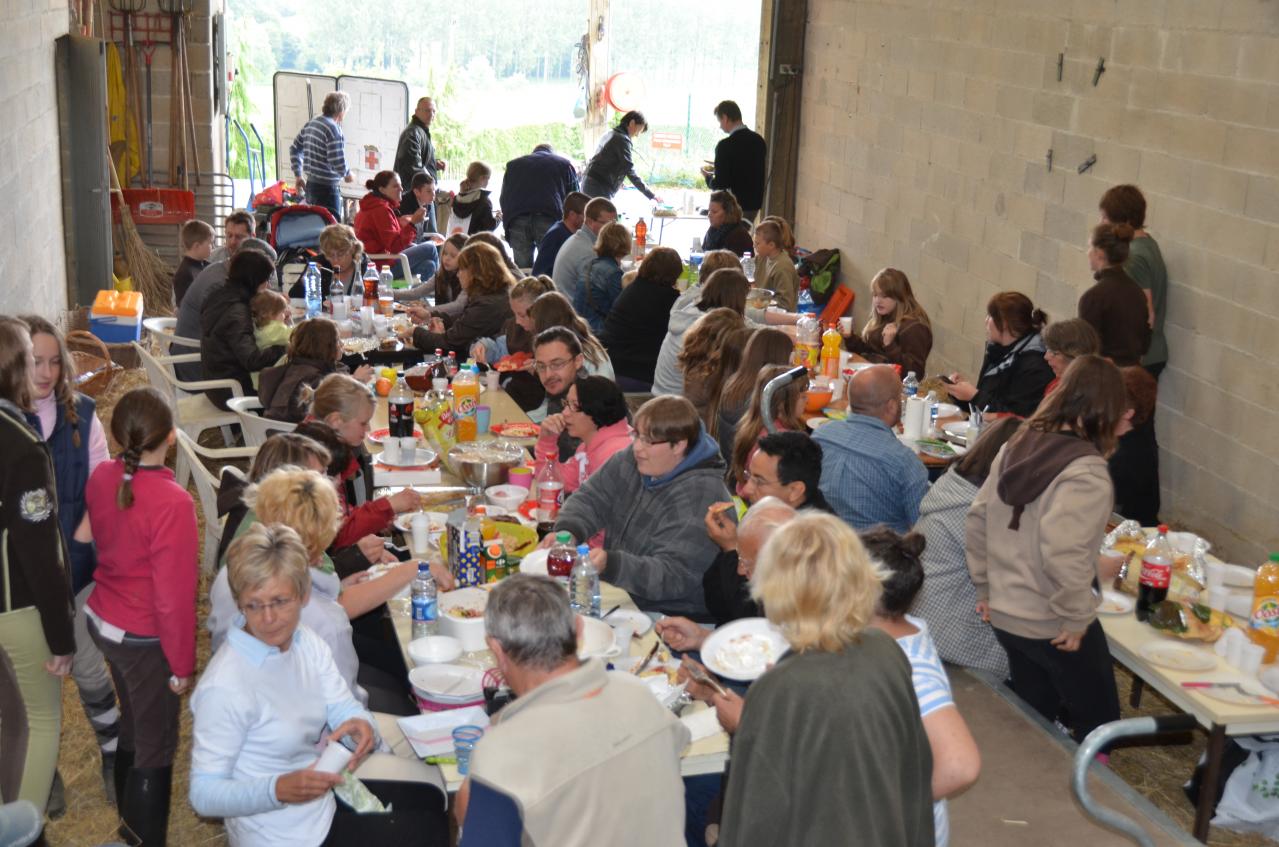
1023, 796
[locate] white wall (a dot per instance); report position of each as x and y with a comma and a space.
33, 274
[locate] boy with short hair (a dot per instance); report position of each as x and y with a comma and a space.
197, 246
775, 268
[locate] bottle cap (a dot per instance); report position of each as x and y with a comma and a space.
563, 537
583, 549
424, 567
481, 510
1274, 557
1163, 527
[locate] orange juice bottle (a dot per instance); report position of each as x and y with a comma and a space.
466, 396
832, 343
1264, 626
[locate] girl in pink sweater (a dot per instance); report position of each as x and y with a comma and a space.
595, 412
142, 609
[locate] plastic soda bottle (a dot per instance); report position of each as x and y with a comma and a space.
748, 266
559, 562
550, 489
337, 299
370, 285
399, 409
385, 295
807, 341
641, 236
832, 343
466, 396
1264, 628
1156, 573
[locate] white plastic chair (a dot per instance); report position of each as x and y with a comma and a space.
256, 428
164, 333
206, 488
380, 259
193, 412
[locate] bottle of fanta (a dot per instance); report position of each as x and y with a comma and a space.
466, 396
1264, 628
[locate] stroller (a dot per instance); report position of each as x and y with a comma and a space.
295, 235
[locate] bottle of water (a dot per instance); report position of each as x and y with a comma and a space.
337, 298
910, 388
584, 584
311, 290
425, 606
748, 266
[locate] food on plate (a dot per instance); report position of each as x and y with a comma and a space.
484, 454
747, 653
513, 362
518, 429
1193, 622
466, 612
388, 345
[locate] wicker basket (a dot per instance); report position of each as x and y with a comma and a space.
93, 366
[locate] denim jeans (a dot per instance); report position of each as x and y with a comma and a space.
326, 195
524, 233
423, 259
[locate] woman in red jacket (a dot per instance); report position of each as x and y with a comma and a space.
142, 609
382, 229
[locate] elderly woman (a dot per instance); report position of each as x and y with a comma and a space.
383, 229
726, 230
342, 258
269, 701
594, 413
837, 713
1065, 341
228, 348
613, 160
487, 282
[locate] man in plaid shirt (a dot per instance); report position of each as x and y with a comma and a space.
318, 155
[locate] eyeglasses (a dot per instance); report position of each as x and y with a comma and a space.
651, 442
570, 406
556, 365
278, 605
760, 482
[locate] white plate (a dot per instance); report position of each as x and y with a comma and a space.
956, 428
640, 621
403, 522
814, 423
947, 410
535, 563
377, 435
765, 637
1178, 657
596, 640
1114, 603
421, 457
448, 683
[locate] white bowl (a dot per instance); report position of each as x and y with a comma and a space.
468, 631
434, 650
509, 497
596, 640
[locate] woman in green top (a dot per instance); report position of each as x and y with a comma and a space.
1125, 204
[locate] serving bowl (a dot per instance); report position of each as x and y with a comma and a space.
484, 464
434, 649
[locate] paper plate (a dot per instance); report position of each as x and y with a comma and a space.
449, 683
404, 521
947, 410
1115, 603
516, 429
377, 435
641, 622
1178, 657
535, 562
743, 649
814, 423
421, 458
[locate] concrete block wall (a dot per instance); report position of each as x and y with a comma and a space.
33, 272
925, 129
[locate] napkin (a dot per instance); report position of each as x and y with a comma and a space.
702, 724
431, 734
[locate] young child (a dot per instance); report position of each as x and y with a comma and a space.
776, 269
473, 201
197, 246
270, 319
141, 613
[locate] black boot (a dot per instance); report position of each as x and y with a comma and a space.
121, 764
145, 807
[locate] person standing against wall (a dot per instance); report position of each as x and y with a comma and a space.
739, 161
318, 155
1125, 204
415, 154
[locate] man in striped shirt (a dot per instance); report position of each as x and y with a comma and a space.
318, 155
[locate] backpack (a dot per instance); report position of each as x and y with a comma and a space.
820, 271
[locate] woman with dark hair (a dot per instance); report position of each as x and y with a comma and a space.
449, 298
228, 348
1032, 537
595, 413
1013, 373
948, 597
553, 309
613, 160
1115, 306
1134, 466
898, 332
1065, 341
726, 230
956, 760
712, 348
725, 288
1125, 204
315, 351
382, 228
487, 283
636, 325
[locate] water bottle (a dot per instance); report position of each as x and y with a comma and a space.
425, 606
748, 267
910, 388
584, 584
337, 298
385, 296
311, 290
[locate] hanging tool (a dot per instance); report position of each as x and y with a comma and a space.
127, 9
148, 53
181, 117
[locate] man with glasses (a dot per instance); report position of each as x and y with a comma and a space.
649, 500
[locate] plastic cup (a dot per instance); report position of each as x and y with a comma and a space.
491, 380
464, 740
1215, 576
623, 630
391, 450
483, 414
408, 448
1250, 659
366, 320
846, 326
420, 533
333, 759
521, 476
1216, 598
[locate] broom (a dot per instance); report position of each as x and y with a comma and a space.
151, 275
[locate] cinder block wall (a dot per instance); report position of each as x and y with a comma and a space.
926, 124
33, 269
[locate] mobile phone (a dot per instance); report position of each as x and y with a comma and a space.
946, 379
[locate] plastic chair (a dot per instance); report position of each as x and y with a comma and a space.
256, 428
163, 332
206, 488
193, 412
379, 258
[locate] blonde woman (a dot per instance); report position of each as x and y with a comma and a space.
898, 332
487, 282
346, 405
341, 256
473, 204
837, 712
594, 298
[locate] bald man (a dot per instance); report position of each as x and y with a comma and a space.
868, 476
415, 154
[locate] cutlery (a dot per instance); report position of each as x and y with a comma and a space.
651, 653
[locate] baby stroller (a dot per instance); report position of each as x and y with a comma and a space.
295, 235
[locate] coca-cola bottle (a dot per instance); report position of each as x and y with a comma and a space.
1156, 573
399, 413
440, 367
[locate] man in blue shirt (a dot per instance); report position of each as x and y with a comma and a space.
533, 192
318, 155
868, 476
549, 247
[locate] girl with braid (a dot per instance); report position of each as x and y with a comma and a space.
142, 609
77, 443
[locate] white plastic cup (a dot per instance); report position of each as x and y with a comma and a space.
381, 326
408, 448
1251, 657
1215, 576
1234, 651
623, 631
391, 450
846, 326
491, 380
333, 759
420, 533
1216, 598
697, 244
366, 320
